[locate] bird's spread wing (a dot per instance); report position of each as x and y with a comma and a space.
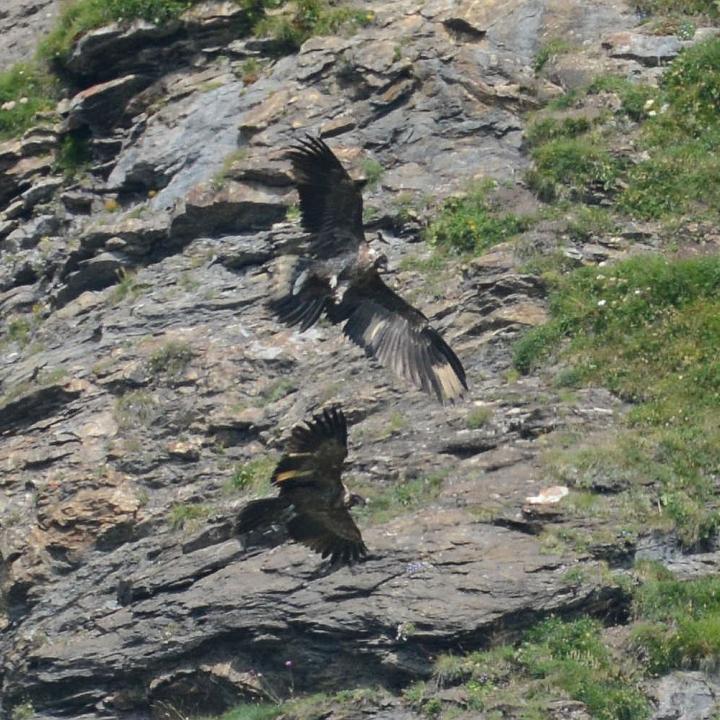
309, 476
330, 200
401, 338
331, 532
316, 451
300, 291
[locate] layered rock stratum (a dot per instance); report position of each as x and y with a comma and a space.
147, 373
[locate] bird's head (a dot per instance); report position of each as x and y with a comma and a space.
377, 257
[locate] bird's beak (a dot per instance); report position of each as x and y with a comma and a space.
381, 263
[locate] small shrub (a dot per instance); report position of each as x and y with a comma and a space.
18, 330
634, 96
468, 224
373, 171
23, 711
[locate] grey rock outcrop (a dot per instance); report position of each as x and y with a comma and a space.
144, 375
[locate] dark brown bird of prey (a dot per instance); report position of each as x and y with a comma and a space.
313, 501
342, 279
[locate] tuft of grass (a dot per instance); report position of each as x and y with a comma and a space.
250, 70
18, 330
135, 408
478, 417
468, 224
250, 711
294, 24
25, 90
73, 155
187, 515
252, 476
126, 288
275, 391
171, 359
549, 51
372, 171
551, 128
23, 711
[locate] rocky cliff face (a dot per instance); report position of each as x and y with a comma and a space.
145, 388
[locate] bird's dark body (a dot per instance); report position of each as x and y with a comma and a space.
341, 279
312, 502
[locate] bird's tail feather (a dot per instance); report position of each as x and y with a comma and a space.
259, 514
298, 296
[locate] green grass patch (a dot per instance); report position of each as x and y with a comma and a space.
680, 625
677, 143
469, 224
569, 167
137, 408
372, 171
556, 658
188, 516
549, 51
478, 417
25, 90
399, 498
252, 476
82, 16
710, 8
303, 19
649, 329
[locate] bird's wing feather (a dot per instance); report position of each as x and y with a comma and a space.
400, 337
330, 532
315, 455
331, 205
301, 291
